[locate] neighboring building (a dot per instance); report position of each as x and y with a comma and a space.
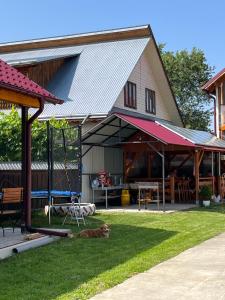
215, 87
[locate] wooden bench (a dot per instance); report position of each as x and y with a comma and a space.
11, 204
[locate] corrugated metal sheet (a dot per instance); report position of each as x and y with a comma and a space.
91, 82
156, 130
16, 166
41, 54
197, 137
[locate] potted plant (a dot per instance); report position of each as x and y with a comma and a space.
206, 195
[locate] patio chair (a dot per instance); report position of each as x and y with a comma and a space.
145, 197
11, 206
184, 191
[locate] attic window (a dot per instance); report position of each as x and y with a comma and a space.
130, 95
150, 101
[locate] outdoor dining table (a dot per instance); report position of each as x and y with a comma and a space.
106, 189
140, 186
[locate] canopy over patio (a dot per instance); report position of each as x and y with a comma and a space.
119, 130
18, 89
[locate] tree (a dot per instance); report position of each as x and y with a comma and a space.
187, 72
10, 137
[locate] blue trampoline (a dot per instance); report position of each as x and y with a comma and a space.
54, 193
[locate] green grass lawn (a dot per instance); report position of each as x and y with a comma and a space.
79, 268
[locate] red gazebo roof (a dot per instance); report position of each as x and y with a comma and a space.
156, 130
12, 79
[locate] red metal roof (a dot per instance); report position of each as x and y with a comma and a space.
156, 130
12, 79
212, 81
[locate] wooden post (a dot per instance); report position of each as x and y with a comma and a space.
213, 175
172, 189
219, 182
163, 178
197, 176
24, 113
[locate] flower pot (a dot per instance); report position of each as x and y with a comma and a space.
206, 203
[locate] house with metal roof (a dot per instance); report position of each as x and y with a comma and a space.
89, 72
114, 83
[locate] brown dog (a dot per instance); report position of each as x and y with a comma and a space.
102, 231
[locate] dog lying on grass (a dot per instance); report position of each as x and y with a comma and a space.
101, 232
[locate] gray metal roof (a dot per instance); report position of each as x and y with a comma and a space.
197, 137
90, 82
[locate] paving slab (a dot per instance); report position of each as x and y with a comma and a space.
196, 274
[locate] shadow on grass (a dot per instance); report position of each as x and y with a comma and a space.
61, 267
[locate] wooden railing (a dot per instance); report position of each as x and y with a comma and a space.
183, 190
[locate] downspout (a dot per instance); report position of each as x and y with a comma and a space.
211, 96
27, 169
214, 113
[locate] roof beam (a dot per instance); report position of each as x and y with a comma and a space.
18, 98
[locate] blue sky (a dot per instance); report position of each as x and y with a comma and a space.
179, 24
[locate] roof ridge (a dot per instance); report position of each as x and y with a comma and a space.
78, 39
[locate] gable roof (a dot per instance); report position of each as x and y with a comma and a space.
12, 79
210, 85
96, 69
87, 81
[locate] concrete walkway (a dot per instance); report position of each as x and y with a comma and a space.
197, 273
152, 208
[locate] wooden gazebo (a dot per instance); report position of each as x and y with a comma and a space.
136, 135
17, 89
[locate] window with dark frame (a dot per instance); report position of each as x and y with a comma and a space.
130, 95
150, 101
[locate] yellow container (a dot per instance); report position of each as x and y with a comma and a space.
125, 198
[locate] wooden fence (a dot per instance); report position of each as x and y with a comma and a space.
12, 178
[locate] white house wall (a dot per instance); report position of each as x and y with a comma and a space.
92, 163
148, 73
114, 161
99, 158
